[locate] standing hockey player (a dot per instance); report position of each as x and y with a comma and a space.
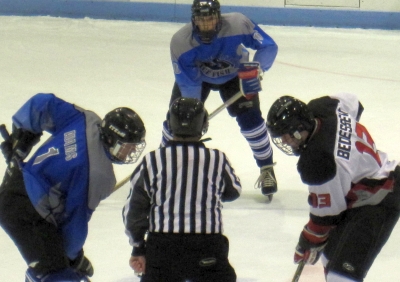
210, 54
176, 195
354, 188
47, 201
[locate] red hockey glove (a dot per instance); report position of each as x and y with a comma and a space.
250, 75
312, 241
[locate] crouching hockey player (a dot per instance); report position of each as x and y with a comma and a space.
354, 188
212, 54
47, 201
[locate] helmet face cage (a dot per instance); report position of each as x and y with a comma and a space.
187, 117
206, 19
288, 150
288, 116
127, 153
123, 134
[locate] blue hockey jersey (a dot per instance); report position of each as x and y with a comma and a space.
218, 62
67, 176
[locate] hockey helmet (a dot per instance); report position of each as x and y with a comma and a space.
123, 134
288, 115
206, 19
187, 117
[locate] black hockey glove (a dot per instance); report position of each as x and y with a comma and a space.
22, 142
82, 265
6, 149
6, 145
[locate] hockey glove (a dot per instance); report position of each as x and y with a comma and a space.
82, 265
22, 142
250, 76
6, 145
312, 241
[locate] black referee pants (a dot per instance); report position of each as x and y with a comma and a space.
187, 258
38, 241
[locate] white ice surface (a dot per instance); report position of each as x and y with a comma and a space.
103, 64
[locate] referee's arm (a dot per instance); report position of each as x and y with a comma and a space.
233, 187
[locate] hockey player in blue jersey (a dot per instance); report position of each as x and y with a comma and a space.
47, 201
210, 54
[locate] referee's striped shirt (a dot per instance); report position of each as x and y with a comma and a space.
179, 189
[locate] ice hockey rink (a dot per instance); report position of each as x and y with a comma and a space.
103, 64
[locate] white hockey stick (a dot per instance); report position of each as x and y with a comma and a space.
227, 103
298, 272
121, 183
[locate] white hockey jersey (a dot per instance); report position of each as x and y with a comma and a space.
341, 163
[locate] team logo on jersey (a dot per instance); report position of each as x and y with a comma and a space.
217, 68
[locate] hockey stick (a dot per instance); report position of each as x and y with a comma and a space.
121, 183
4, 132
298, 272
227, 103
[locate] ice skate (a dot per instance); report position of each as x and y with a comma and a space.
267, 181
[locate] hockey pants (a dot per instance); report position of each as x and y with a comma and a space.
38, 241
187, 257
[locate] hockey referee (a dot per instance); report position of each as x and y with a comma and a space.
175, 198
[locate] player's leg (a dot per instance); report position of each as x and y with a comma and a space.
252, 126
176, 93
38, 241
355, 243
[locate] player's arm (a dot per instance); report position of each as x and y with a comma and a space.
44, 112
266, 49
311, 243
257, 39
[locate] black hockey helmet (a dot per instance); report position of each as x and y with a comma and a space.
123, 134
201, 10
187, 117
288, 115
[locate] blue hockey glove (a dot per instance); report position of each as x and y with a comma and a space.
250, 76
